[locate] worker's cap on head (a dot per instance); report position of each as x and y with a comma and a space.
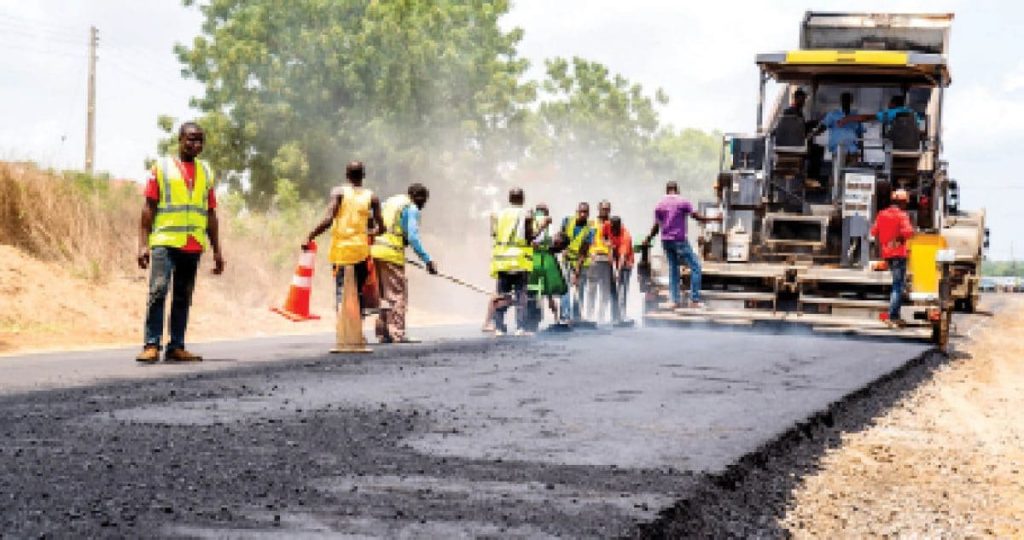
900, 195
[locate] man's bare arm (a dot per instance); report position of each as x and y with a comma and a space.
145, 228
325, 223
213, 231
653, 233
378, 217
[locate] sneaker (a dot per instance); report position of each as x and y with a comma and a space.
408, 339
523, 333
181, 355
499, 333
149, 354
668, 305
697, 304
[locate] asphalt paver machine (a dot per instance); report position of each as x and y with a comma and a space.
793, 244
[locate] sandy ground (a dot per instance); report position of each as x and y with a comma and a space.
947, 461
45, 306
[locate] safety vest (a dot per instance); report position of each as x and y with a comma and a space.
390, 246
511, 252
181, 212
599, 249
572, 251
350, 238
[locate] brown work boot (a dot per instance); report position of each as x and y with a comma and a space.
181, 355
149, 354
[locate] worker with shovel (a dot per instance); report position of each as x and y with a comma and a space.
401, 216
579, 235
512, 230
546, 279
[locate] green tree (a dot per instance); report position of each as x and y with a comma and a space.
295, 89
595, 123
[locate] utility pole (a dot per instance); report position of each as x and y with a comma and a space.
90, 130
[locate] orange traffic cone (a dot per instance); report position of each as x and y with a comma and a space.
349, 329
296, 306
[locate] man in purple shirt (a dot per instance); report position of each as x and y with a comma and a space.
670, 218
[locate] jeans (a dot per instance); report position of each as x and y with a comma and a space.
623, 290
515, 283
601, 292
362, 273
572, 311
170, 267
679, 251
898, 268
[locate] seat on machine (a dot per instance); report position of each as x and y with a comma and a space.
905, 136
791, 135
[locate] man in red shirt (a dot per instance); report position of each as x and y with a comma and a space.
179, 219
892, 228
621, 243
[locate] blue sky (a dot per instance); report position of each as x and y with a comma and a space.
701, 54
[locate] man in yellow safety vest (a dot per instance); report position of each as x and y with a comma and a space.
578, 233
351, 210
512, 259
401, 216
179, 222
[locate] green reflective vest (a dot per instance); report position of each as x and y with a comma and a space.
511, 251
572, 251
181, 211
390, 246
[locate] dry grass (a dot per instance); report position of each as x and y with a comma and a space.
68, 275
90, 224
69, 218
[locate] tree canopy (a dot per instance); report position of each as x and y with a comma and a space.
435, 88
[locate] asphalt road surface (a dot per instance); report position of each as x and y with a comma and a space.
583, 435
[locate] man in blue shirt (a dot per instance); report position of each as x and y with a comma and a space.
897, 106
401, 216
842, 134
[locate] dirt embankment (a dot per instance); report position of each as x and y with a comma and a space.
947, 461
68, 278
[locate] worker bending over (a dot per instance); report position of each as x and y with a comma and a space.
546, 279
512, 259
401, 217
621, 243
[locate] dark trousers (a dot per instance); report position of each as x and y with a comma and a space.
174, 269
362, 273
513, 283
898, 269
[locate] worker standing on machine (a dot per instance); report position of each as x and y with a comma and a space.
892, 228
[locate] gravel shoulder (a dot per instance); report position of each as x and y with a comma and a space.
947, 460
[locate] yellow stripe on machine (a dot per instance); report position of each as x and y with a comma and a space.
825, 57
